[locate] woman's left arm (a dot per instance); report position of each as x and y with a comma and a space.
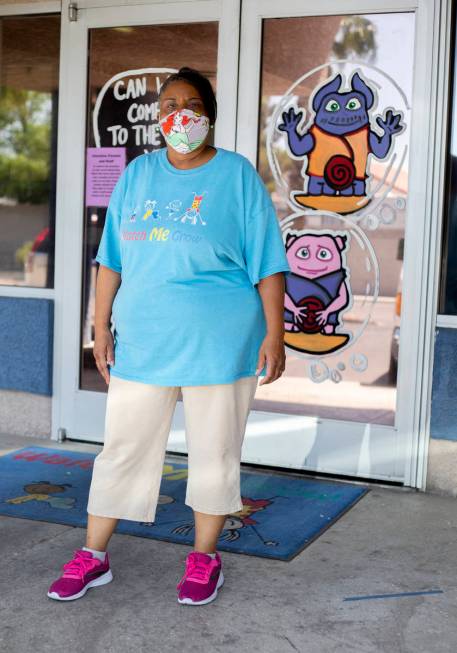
272, 290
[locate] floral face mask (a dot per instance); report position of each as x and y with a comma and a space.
184, 130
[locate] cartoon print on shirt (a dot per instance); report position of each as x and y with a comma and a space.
173, 208
193, 212
150, 206
133, 214
317, 291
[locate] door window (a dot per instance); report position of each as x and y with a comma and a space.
127, 66
333, 150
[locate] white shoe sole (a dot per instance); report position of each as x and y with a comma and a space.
101, 580
188, 601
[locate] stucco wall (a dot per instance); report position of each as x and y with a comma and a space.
444, 392
442, 457
442, 467
25, 413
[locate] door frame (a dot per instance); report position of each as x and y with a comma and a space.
432, 34
421, 255
80, 413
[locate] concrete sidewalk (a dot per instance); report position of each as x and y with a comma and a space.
392, 541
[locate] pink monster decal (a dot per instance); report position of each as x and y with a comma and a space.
317, 291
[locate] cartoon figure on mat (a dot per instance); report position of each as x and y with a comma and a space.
43, 491
337, 143
317, 291
237, 521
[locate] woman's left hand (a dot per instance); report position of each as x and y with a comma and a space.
273, 354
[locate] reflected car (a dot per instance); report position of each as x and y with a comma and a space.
36, 263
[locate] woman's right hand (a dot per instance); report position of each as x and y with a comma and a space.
104, 351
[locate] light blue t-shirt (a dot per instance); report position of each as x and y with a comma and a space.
190, 246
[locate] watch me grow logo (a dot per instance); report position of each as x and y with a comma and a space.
126, 111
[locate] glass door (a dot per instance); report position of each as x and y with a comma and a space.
325, 102
114, 62
329, 101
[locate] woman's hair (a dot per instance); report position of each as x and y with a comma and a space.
201, 83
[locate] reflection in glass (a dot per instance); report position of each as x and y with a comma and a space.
347, 371
448, 291
29, 75
127, 66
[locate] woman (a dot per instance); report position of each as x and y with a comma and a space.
193, 257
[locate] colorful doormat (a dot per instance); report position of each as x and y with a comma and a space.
281, 514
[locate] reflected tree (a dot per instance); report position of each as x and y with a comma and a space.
356, 38
25, 124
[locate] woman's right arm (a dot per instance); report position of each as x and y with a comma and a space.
108, 282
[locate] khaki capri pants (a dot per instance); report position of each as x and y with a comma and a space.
127, 472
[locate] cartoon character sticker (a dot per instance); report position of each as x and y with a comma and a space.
338, 142
317, 291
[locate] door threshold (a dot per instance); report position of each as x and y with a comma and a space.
268, 469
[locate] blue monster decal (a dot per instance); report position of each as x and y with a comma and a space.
337, 143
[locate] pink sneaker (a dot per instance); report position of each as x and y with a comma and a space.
80, 573
201, 580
